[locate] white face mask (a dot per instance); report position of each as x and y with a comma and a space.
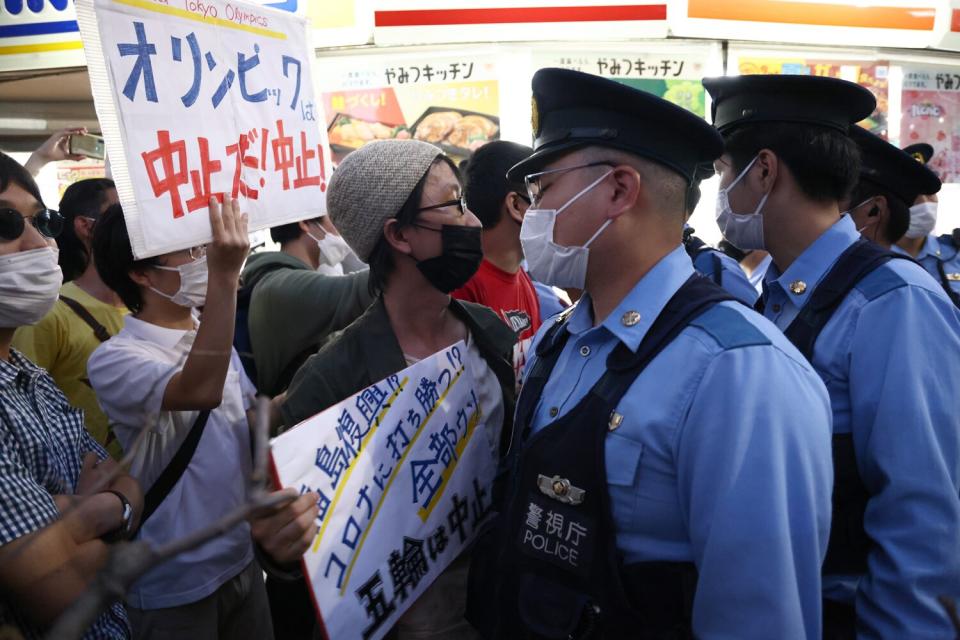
548, 262
29, 286
923, 218
333, 248
193, 284
742, 230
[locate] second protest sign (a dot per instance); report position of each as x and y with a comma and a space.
404, 471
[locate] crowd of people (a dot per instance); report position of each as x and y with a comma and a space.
757, 441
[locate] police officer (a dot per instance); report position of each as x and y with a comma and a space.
723, 269
871, 326
669, 472
890, 181
940, 256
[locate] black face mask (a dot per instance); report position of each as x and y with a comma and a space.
459, 260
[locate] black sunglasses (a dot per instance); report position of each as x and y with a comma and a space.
12, 223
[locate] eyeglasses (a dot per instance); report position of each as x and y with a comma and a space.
532, 181
195, 253
12, 223
460, 203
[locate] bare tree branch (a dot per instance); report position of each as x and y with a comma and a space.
261, 443
128, 561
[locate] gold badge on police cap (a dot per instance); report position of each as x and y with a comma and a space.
534, 117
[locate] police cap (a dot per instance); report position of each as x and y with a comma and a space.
891, 168
812, 100
921, 152
573, 110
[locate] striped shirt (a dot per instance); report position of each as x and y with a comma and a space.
43, 444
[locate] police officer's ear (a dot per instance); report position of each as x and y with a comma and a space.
763, 175
628, 190
515, 204
880, 211
870, 216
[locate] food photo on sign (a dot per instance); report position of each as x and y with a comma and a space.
450, 102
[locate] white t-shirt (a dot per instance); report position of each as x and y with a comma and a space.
129, 374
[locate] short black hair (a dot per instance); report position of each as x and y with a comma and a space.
899, 220
737, 254
485, 178
825, 162
381, 258
113, 257
289, 232
12, 172
84, 198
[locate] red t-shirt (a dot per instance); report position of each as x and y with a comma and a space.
513, 297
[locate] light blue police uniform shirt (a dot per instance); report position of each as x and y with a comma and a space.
934, 252
550, 303
732, 276
890, 357
756, 276
722, 458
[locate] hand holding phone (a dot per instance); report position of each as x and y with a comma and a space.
88, 145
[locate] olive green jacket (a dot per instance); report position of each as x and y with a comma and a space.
293, 310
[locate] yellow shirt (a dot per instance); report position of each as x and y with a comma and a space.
62, 343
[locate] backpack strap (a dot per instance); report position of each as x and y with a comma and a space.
548, 352
858, 261
99, 330
161, 488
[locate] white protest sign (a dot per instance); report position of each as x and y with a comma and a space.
199, 99
404, 472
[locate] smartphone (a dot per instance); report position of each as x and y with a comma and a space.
87, 145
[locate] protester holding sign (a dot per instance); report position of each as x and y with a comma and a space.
398, 204
184, 384
51, 544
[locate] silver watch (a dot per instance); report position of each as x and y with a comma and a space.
126, 528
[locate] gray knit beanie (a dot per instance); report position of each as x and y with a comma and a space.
371, 185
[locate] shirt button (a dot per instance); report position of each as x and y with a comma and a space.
584, 351
554, 411
776, 308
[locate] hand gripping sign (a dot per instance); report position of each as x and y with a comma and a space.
404, 471
202, 99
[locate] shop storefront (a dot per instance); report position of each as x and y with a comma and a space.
459, 77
